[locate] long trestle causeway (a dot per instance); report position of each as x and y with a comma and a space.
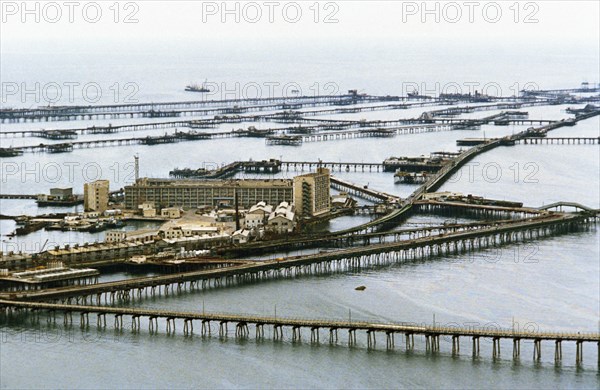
432, 334
436, 180
450, 243
176, 108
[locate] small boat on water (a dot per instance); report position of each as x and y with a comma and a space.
193, 87
30, 227
10, 152
58, 201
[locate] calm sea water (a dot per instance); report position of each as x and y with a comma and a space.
550, 284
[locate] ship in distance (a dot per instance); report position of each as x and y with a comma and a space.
194, 87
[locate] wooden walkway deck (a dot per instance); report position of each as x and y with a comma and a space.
384, 253
431, 334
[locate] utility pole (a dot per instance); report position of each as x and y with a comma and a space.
137, 167
237, 210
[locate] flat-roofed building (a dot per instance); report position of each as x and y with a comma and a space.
147, 209
171, 212
61, 193
198, 193
139, 236
311, 193
95, 195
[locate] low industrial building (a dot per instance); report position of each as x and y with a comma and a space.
51, 276
94, 252
147, 209
172, 229
57, 194
342, 201
191, 194
138, 236
171, 212
61, 193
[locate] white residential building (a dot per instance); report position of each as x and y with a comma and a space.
283, 219
241, 236
258, 215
